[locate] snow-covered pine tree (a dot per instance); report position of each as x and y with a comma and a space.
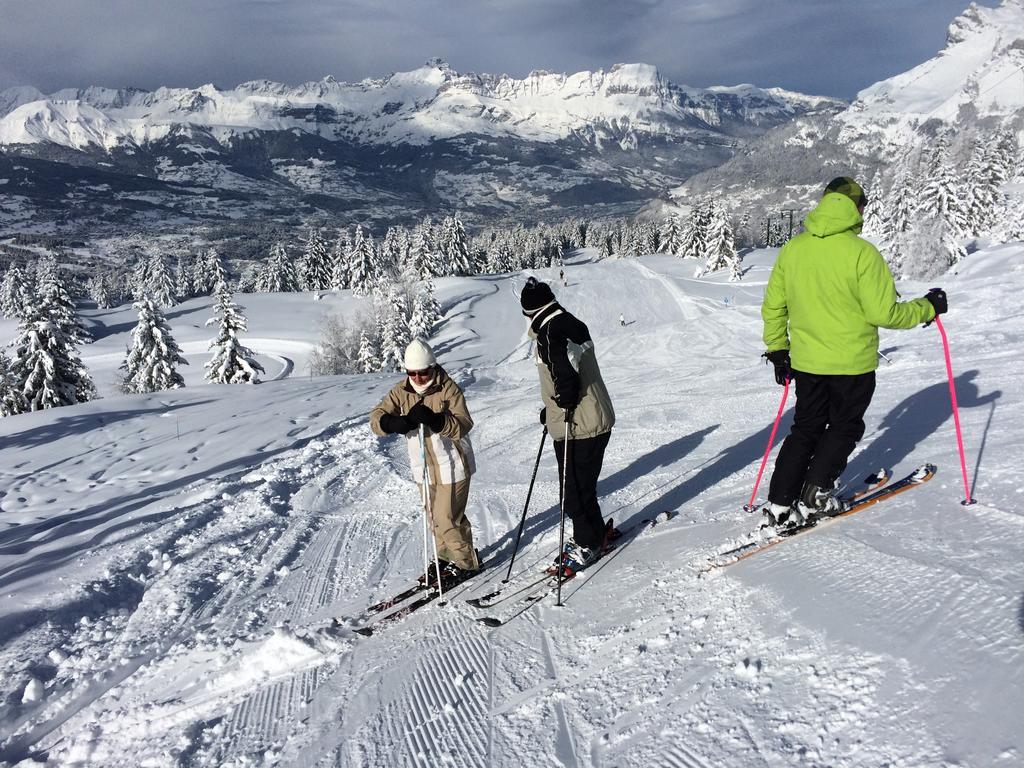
393, 324
216, 269
393, 251
139, 280
421, 255
316, 263
362, 267
161, 284
98, 292
12, 401
454, 247
990, 166
13, 292
183, 276
232, 362
720, 251
46, 367
152, 360
369, 356
339, 262
206, 270
249, 280
942, 199
279, 275
425, 312
54, 302
671, 236
693, 237
500, 258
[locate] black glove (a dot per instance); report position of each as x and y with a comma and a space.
568, 397
421, 414
937, 298
544, 415
395, 425
780, 359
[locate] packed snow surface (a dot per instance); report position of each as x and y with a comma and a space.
166, 559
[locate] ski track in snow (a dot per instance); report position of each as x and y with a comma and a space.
170, 558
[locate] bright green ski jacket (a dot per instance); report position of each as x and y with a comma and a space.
829, 293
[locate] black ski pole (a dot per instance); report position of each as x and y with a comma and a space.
529, 493
561, 511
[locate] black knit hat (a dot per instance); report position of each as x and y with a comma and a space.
844, 185
535, 295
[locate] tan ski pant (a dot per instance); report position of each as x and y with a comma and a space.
452, 532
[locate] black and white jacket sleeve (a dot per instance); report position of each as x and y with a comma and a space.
561, 342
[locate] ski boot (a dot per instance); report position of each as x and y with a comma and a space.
782, 517
818, 502
574, 559
452, 575
430, 577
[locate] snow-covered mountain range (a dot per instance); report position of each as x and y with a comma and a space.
410, 142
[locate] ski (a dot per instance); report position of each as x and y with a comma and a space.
391, 602
430, 595
549, 582
501, 594
857, 503
366, 630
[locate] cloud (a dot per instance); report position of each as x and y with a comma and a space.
820, 46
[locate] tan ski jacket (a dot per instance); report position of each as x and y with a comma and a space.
449, 452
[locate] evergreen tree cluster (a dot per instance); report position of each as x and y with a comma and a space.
942, 197
706, 235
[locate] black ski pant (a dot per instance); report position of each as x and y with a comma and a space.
585, 459
828, 422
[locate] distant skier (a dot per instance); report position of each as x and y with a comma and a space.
573, 393
428, 396
828, 294
622, 320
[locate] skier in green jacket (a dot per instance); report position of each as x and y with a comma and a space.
828, 294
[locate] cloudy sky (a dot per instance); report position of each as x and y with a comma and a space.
826, 47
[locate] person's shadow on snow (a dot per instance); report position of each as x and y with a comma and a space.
662, 456
915, 420
735, 458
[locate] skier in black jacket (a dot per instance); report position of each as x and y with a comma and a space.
574, 394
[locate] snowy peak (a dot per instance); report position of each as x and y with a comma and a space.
981, 70
73, 124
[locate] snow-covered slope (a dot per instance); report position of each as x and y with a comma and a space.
162, 556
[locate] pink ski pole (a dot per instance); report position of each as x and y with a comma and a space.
956, 413
749, 507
